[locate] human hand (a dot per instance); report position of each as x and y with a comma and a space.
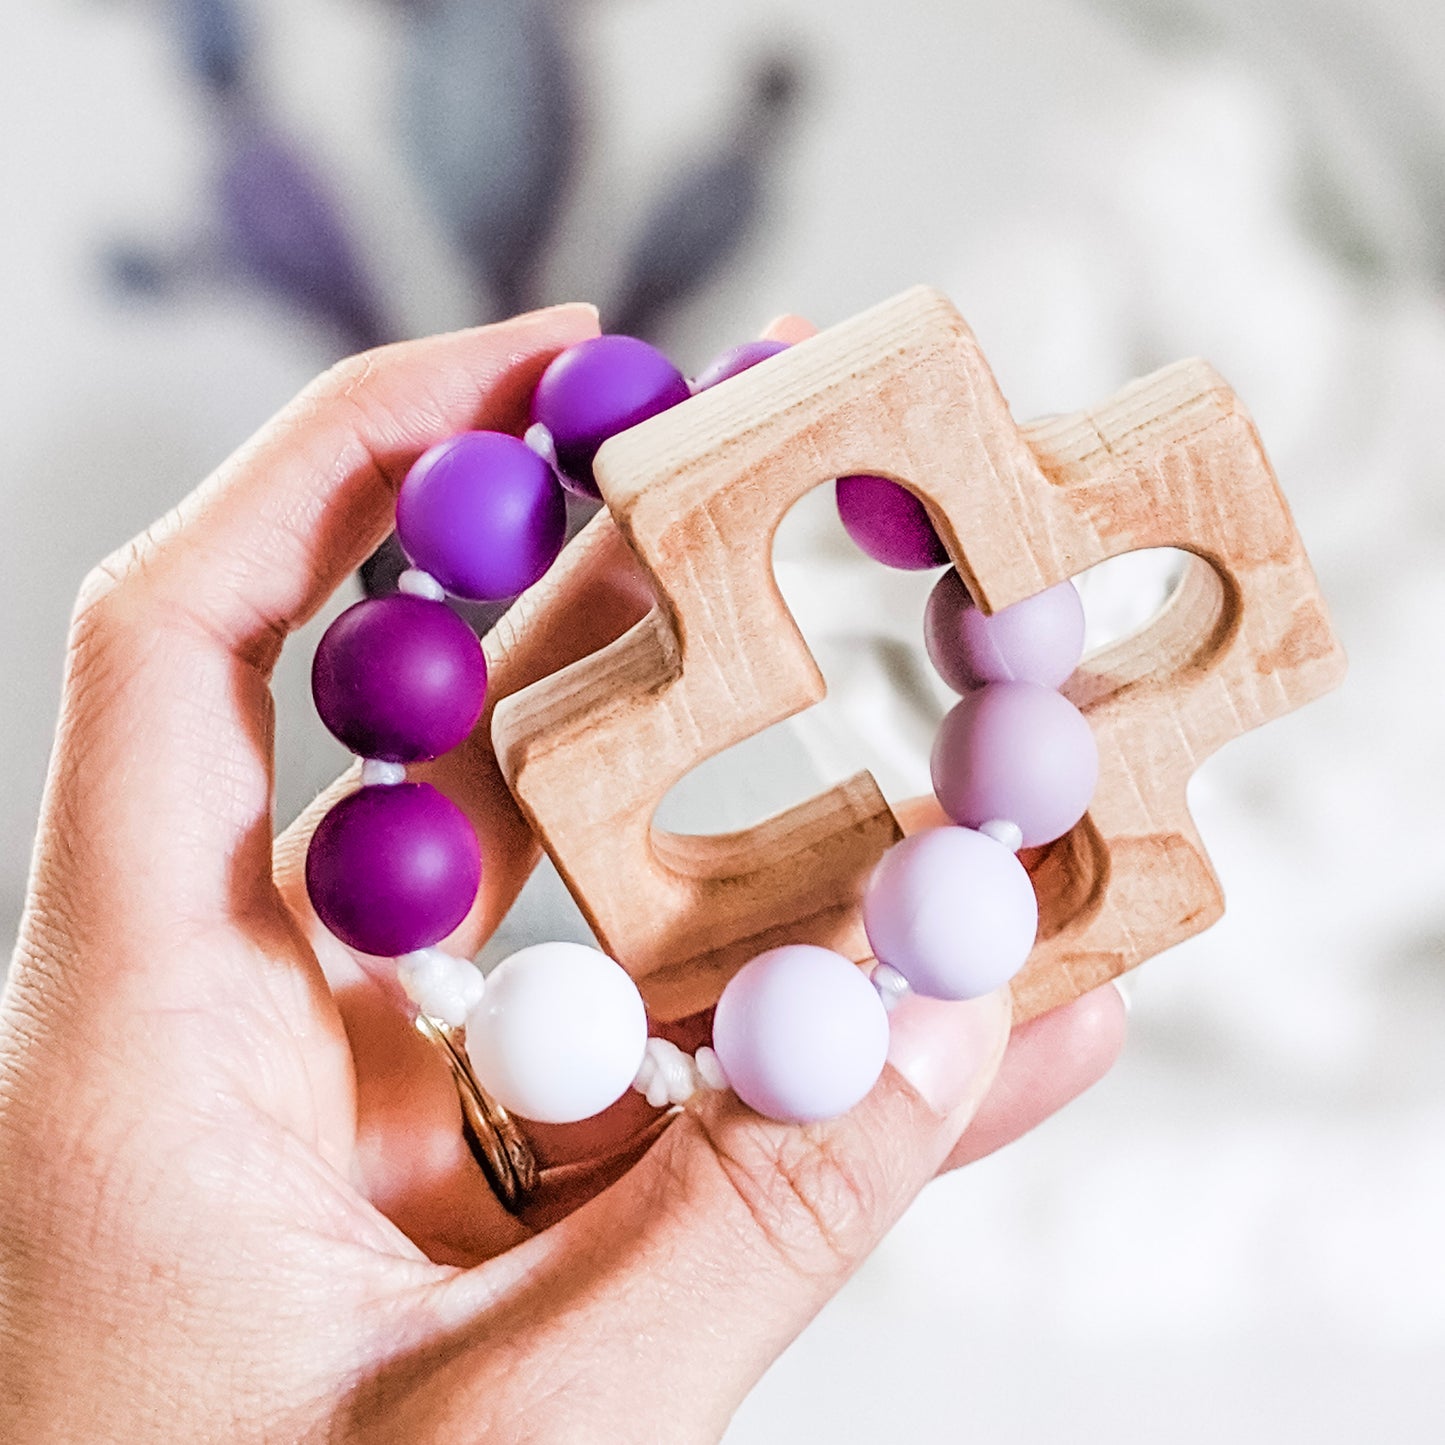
235, 1200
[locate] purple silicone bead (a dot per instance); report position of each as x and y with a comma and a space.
801, 1034
889, 523
736, 359
953, 911
596, 389
393, 869
1040, 639
483, 513
399, 678
1018, 753
886, 520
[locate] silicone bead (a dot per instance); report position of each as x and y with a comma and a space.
393, 869
1040, 639
596, 389
886, 520
953, 911
889, 523
801, 1034
399, 678
734, 360
483, 514
1016, 752
559, 1034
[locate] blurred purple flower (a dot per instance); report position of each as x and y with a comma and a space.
489, 116
213, 36
280, 227
703, 218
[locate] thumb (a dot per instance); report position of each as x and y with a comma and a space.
685, 1280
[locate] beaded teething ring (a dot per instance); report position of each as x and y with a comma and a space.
558, 1031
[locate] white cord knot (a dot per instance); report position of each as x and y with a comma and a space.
668, 1076
417, 583
442, 986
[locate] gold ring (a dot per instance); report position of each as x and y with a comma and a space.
497, 1144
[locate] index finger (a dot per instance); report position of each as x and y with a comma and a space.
167, 712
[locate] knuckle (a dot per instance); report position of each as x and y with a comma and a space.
811, 1199
351, 374
112, 592
357, 380
104, 580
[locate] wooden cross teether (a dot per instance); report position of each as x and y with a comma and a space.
904, 392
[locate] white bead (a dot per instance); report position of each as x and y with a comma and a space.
375, 773
442, 986
559, 1034
1002, 831
417, 583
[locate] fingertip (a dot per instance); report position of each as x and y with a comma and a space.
1051, 1061
581, 314
789, 328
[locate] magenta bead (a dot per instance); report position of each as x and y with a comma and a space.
483, 514
399, 678
735, 360
1040, 639
393, 869
801, 1034
953, 911
1019, 753
596, 389
889, 523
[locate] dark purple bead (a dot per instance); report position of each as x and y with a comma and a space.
399, 678
392, 869
736, 359
596, 389
889, 523
483, 514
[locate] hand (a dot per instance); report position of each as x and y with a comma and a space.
235, 1203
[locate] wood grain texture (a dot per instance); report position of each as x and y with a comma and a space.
903, 391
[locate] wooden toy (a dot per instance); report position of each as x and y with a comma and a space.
903, 391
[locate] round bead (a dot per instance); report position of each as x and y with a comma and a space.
801, 1034
886, 520
1040, 639
889, 523
483, 514
560, 1033
734, 360
400, 678
953, 911
393, 869
596, 389
1019, 753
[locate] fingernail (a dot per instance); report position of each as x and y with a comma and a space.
949, 1052
582, 308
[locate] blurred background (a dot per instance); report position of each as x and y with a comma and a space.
1238, 1235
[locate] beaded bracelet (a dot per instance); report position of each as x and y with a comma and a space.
558, 1031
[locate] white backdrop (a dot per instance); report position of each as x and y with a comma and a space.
1236, 1235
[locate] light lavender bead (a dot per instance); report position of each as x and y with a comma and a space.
1019, 753
953, 911
801, 1034
1040, 639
